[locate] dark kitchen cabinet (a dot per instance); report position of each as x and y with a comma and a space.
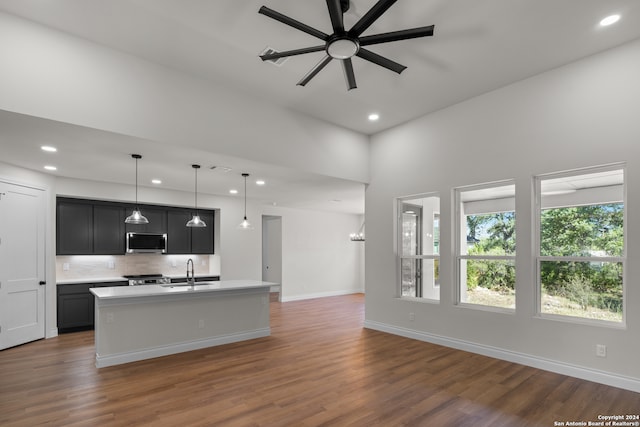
189, 240
178, 234
74, 228
76, 305
202, 238
108, 229
157, 217
89, 228
94, 227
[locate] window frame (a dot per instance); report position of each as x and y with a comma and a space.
399, 202
459, 257
538, 258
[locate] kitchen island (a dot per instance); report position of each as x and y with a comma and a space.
141, 322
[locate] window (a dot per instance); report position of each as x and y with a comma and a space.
486, 245
581, 244
419, 246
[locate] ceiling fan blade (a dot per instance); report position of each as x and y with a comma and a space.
315, 70
397, 35
381, 61
277, 55
292, 23
369, 18
335, 12
349, 75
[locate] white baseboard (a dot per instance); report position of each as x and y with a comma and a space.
133, 356
602, 377
322, 295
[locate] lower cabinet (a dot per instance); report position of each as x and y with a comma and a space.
76, 308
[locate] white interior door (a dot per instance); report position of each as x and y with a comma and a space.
22, 265
272, 249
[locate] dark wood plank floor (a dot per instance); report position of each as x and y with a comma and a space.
319, 367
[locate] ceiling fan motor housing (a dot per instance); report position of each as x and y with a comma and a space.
342, 47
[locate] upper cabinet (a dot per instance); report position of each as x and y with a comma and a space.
202, 238
156, 215
189, 240
108, 229
74, 228
91, 227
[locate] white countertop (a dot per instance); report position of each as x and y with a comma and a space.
92, 280
175, 288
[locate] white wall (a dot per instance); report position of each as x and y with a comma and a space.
580, 115
318, 258
50, 74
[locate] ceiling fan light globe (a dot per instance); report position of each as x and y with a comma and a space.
343, 48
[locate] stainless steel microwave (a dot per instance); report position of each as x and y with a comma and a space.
146, 243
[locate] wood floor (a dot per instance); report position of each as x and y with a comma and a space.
319, 367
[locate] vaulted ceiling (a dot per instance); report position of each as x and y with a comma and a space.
478, 46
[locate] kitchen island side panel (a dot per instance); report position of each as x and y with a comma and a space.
141, 328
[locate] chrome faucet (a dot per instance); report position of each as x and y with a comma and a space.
191, 281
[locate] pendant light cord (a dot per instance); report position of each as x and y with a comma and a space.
196, 190
245, 197
136, 183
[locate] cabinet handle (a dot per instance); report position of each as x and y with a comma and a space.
42, 282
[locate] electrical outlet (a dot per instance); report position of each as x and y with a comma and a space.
201, 324
65, 266
412, 316
174, 264
601, 350
111, 265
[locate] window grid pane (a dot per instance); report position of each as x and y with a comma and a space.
581, 245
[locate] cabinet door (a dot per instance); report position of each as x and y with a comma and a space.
74, 228
108, 230
157, 220
75, 311
202, 238
178, 234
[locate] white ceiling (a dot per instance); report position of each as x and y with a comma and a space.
478, 46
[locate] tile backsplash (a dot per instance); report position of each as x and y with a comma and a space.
102, 266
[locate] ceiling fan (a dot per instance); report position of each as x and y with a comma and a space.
343, 44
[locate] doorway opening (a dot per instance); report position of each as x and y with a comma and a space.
272, 254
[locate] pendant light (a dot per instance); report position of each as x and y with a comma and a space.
196, 221
136, 217
245, 225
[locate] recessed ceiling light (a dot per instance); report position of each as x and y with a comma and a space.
51, 168
260, 182
373, 117
233, 191
156, 181
49, 148
609, 20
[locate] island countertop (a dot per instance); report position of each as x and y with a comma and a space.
176, 288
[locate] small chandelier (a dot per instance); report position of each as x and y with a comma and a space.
245, 224
136, 217
196, 221
359, 236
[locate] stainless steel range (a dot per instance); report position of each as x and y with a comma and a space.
147, 279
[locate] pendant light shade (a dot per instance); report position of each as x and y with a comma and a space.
196, 221
245, 224
136, 217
